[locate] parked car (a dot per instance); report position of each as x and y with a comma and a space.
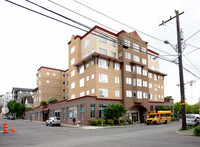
12, 118
53, 121
5, 117
192, 119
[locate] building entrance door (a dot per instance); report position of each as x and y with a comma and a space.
135, 116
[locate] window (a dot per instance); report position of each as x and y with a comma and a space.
92, 61
103, 92
82, 82
72, 85
88, 92
103, 51
113, 43
92, 51
56, 90
136, 47
155, 77
103, 78
150, 96
82, 93
145, 95
54, 82
144, 83
103, 64
139, 94
117, 79
128, 80
117, 93
127, 43
73, 96
144, 72
101, 110
82, 69
127, 55
144, 50
139, 70
92, 90
103, 39
161, 86
92, 111
139, 82
66, 76
39, 82
113, 54
73, 61
86, 43
82, 113
72, 73
144, 61
128, 93
47, 81
128, 68
155, 86
87, 64
117, 67
150, 85
136, 58
134, 71
72, 49
92, 76
63, 113
150, 75
134, 82
158, 76
86, 54
158, 86
48, 89
47, 73
87, 78
120, 54
134, 94
72, 112
39, 74
155, 97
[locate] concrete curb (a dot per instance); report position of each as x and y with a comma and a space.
184, 133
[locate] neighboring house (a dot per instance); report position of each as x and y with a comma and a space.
27, 101
101, 72
19, 93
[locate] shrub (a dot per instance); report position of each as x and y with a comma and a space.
129, 121
100, 120
121, 121
94, 122
173, 119
116, 121
197, 131
43, 102
29, 108
110, 122
52, 99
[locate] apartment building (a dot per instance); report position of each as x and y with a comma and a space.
104, 68
50, 82
19, 93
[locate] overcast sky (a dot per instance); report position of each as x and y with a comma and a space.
29, 41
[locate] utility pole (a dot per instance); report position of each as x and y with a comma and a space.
182, 90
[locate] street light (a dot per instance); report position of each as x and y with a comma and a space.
167, 42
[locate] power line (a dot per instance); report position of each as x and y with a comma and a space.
196, 48
82, 29
192, 64
192, 36
117, 21
106, 26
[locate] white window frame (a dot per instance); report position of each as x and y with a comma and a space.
72, 73
117, 80
127, 55
103, 92
139, 82
128, 80
103, 78
128, 93
117, 93
117, 66
128, 68
82, 82
103, 63
72, 49
73, 85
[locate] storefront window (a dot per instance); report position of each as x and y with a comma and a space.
101, 109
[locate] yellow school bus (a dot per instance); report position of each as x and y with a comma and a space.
157, 117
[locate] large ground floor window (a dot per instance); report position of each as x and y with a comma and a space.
72, 112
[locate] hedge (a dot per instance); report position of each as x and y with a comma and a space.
100, 120
110, 122
197, 131
94, 122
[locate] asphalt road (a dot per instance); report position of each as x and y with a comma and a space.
36, 134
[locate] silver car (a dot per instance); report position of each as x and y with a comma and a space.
192, 119
53, 121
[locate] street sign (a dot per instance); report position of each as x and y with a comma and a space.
182, 102
82, 110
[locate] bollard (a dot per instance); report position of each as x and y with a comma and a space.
5, 128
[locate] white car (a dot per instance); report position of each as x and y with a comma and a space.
192, 119
53, 121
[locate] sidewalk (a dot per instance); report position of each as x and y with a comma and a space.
186, 132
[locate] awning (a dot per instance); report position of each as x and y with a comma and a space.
138, 105
45, 109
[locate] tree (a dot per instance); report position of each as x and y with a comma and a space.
10, 106
177, 107
164, 108
43, 102
189, 109
195, 108
114, 111
52, 99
